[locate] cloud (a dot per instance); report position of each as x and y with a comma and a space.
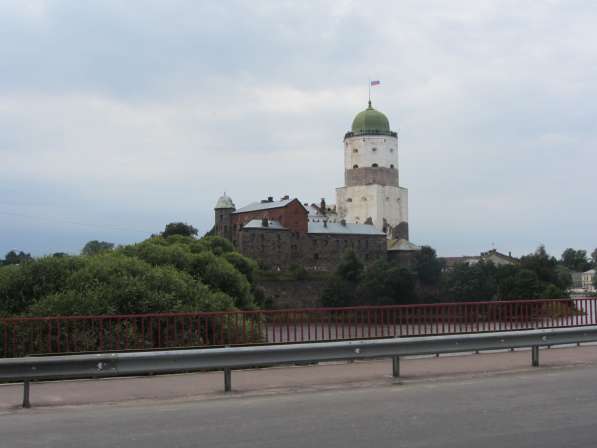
116, 118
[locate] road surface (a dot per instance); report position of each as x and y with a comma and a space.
553, 408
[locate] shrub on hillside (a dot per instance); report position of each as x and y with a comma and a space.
178, 273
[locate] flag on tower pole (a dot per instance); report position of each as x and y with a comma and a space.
372, 84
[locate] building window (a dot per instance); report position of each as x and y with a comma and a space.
392, 166
373, 149
316, 256
374, 165
391, 149
355, 166
355, 150
364, 198
348, 199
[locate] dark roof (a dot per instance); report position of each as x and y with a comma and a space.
257, 206
338, 228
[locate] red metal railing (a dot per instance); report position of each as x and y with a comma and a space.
44, 335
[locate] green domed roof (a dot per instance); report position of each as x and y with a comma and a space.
224, 202
370, 120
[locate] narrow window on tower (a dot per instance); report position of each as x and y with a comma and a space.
392, 166
355, 166
374, 165
355, 150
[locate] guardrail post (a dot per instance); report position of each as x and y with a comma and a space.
227, 380
396, 366
26, 387
535, 355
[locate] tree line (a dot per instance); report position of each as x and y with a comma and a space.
537, 275
171, 271
175, 271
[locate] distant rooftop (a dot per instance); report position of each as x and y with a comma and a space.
402, 245
347, 229
258, 224
264, 205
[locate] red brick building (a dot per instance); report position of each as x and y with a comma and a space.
290, 213
281, 234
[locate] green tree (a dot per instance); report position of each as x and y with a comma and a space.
594, 258
96, 247
427, 266
467, 282
544, 266
576, 260
350, 268
179, 228
14, 257
24, 284
378, 283
340, 290
177, 273
116, 284
521, 284
386, 283
244, 265
218, 245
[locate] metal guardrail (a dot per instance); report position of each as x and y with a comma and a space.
174, 361
22, 336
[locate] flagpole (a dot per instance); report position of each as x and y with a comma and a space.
369, 92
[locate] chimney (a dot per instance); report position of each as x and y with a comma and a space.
322, 206
270, 199
264, 222
510, 254
325, 223
285, 198
343, 222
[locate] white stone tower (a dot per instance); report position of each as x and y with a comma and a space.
372, 192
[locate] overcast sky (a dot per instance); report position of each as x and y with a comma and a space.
117, 117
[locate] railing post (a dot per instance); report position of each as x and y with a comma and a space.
535, 355
396, 366
26, 387
227, 379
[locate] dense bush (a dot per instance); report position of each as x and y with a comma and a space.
177, 273
379, 283
537, 276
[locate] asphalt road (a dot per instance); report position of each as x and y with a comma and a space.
547, 409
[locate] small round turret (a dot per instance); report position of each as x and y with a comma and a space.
224, 202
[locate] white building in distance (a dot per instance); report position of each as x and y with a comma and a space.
372, 193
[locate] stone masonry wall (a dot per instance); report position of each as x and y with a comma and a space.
278, 250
